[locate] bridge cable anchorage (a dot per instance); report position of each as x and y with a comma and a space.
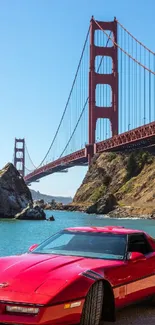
143, 66
67, 99
84, 104
140, 43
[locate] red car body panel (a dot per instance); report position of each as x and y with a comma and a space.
52, 281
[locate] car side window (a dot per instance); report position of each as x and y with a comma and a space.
139, 243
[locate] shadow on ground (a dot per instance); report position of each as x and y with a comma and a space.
135, 315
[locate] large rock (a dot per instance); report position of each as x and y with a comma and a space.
14, 193
48, 206
51, 218
31, 213
40, 203
53, 205
104, 205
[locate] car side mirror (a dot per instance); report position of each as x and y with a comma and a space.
135, 256
33, 247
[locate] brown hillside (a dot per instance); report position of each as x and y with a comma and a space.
119, 180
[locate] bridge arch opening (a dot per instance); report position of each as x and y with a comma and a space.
101, 39
19, 165
19, 154
103, 129
19, 145
103, 64
103, 95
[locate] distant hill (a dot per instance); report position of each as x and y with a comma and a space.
36, 195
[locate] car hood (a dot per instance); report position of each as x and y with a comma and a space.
44, 274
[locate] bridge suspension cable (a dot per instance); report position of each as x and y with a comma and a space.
56, 133
99, 66
29, 156
116, 44
140, 43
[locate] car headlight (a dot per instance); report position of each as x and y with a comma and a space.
23, 310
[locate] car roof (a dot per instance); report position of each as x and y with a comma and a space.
107, 229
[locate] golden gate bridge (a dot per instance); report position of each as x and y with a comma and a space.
110, 107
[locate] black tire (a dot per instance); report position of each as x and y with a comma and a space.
152, 301
92, 309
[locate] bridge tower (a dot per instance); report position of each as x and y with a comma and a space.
19, 156
95, 78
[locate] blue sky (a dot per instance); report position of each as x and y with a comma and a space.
41, 41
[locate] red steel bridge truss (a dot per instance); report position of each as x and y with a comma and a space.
110, 107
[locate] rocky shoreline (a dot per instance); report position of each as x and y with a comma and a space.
115, 212
116, 186
119, 213
132, 213
16, 199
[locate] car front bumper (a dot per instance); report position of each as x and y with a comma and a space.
53, 315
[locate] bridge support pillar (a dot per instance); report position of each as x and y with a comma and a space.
95, 78
19, 156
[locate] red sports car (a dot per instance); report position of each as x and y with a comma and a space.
77, 276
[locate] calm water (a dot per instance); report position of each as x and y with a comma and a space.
17, 236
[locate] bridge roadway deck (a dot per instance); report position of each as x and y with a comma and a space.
141, 137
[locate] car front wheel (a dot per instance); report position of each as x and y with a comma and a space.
92, 310
152, 301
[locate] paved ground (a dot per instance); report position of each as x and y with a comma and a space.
135, 315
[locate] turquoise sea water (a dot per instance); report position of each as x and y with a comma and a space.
17, 236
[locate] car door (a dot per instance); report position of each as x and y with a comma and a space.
141, 272
134, 280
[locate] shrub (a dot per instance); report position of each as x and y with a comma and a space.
112, 156
98, 193
136, 162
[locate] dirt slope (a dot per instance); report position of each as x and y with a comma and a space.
119, 181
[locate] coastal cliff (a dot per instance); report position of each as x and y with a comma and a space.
120, 185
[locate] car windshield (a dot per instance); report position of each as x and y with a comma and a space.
85, 244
